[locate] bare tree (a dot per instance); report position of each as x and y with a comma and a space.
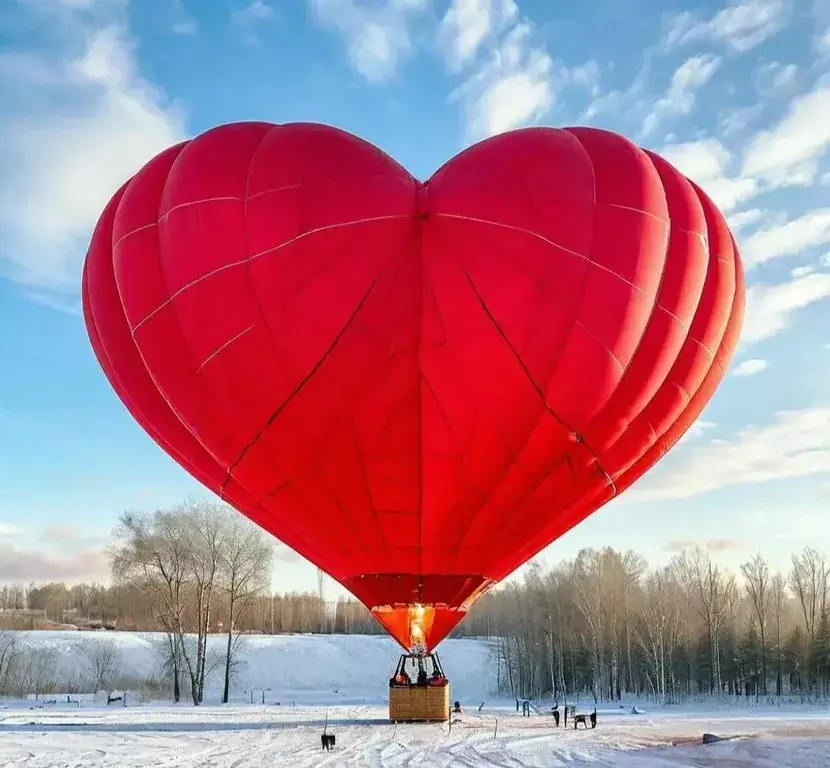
710, 590
246, 558
9, 659
207, 525
103, 659
39, 670
659, 629
587, 580
808, 579
778, 599
152, 553
756, 573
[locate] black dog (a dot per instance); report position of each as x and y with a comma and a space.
585, 718
328, 740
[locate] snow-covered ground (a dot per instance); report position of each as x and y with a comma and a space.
344, 680
286, 735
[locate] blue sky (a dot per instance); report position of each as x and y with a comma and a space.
735, 92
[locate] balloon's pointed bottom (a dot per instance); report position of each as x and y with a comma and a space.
419, 627
418, 611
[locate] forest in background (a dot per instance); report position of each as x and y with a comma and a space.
602, 624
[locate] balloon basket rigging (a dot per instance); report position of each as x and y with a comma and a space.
420, 694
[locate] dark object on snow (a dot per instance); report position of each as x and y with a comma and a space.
585, 718
710, 738
555, 713
456, 707
113, 699
525, 708
636, 711
328, 740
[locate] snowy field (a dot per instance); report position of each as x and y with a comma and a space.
344, 679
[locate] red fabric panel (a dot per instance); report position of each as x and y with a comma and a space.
417, 386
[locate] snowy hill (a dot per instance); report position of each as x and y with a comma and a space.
345, 669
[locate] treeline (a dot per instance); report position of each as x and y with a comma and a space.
127, 607
604, 624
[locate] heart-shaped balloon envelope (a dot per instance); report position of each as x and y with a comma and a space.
417, 386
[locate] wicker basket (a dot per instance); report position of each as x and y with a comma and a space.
419, 703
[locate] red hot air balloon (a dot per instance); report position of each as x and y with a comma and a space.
416, 386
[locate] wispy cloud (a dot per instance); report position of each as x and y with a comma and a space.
789, 153
743, 219
679, 99
741, 26
56, 302
750, 367
30, 564
511, 88
467, 24
378, 36
788, 238
795, 444
770, 308
775, 77
707, 163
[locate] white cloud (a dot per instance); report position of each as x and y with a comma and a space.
699, 427
706, 162
737, 119
801, 271
513, 88
789, 153
612, 102
771, 308
775, 77
76, 125
796, 444
680, 96
743, 219
750, 367
378, 36
55, 302
741, 26
789, 238
19, 564
467, 24
8, 531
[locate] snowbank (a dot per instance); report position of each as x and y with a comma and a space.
345, 669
